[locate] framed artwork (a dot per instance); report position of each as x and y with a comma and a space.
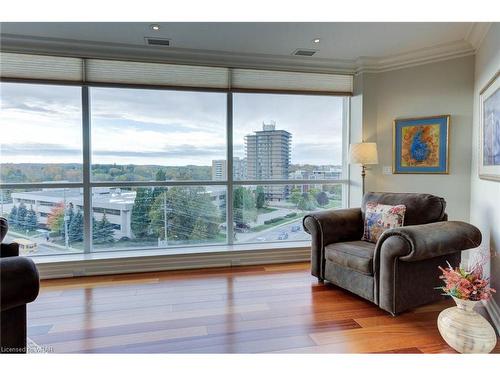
489, 130
421, 145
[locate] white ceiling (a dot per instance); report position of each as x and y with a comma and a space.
343, 46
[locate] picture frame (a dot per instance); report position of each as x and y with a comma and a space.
421, 145
489, 130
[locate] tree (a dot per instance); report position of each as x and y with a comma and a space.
190, 214
31, 221
161, 175
306, 203
13, 216
75, 227
140, 221
55, 220
244, 206
104, 231
295, 196
322, 198
200, 230
260, 199
22, 212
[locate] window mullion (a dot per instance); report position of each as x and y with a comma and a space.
87, 189
229, 170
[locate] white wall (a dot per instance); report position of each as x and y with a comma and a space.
440, 88
485, 194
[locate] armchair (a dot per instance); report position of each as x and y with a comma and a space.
19, 285
400, 271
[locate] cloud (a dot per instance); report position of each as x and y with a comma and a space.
171, 127
38, 149
182, 151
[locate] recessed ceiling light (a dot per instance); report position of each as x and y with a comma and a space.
316, 40
155, 27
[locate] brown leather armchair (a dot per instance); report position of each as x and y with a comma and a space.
400, 271
19, 285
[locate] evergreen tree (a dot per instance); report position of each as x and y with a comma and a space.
95, 229
140, 220
13, 216
75, 228
31, 220
260, 197
22, 212
105, 231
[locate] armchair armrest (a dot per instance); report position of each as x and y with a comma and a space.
330, 226
9, 250
19, 282
427, 245
419, 242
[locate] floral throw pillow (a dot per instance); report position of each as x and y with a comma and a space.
380, 217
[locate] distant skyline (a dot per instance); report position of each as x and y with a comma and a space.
42, 124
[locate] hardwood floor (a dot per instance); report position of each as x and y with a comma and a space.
257, 309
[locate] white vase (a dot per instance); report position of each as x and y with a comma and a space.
465, 330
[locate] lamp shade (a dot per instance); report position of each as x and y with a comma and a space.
363, 153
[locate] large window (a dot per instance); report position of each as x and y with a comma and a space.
156, 135
101, 168
40, 133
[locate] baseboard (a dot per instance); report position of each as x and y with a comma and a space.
494, 312
86, 266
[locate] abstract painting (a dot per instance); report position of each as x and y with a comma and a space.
421, 145
489, 119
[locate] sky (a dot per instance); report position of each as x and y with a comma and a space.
42, 124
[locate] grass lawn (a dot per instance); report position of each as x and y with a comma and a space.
286, 220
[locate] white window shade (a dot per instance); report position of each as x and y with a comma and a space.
249, 79
16, 65
126, 72
56, 68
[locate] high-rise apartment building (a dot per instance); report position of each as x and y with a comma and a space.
219, 169
268, 158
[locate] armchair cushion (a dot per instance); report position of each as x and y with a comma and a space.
380, 217
354, 255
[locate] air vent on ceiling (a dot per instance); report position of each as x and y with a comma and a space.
157, 42
304, 52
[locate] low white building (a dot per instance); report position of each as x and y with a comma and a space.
117, 205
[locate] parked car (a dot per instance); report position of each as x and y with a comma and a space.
283, 236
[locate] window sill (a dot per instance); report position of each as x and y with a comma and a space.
130, 261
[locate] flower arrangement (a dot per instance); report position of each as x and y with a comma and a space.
466, 284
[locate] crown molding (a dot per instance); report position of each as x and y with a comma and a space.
367, 64
67, 47
476, 33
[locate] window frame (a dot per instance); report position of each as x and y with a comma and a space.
87, 184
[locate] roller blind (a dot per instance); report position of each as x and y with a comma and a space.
16, 65
25, 66
110, 71
290, 81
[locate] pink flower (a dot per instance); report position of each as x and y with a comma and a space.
466, 284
